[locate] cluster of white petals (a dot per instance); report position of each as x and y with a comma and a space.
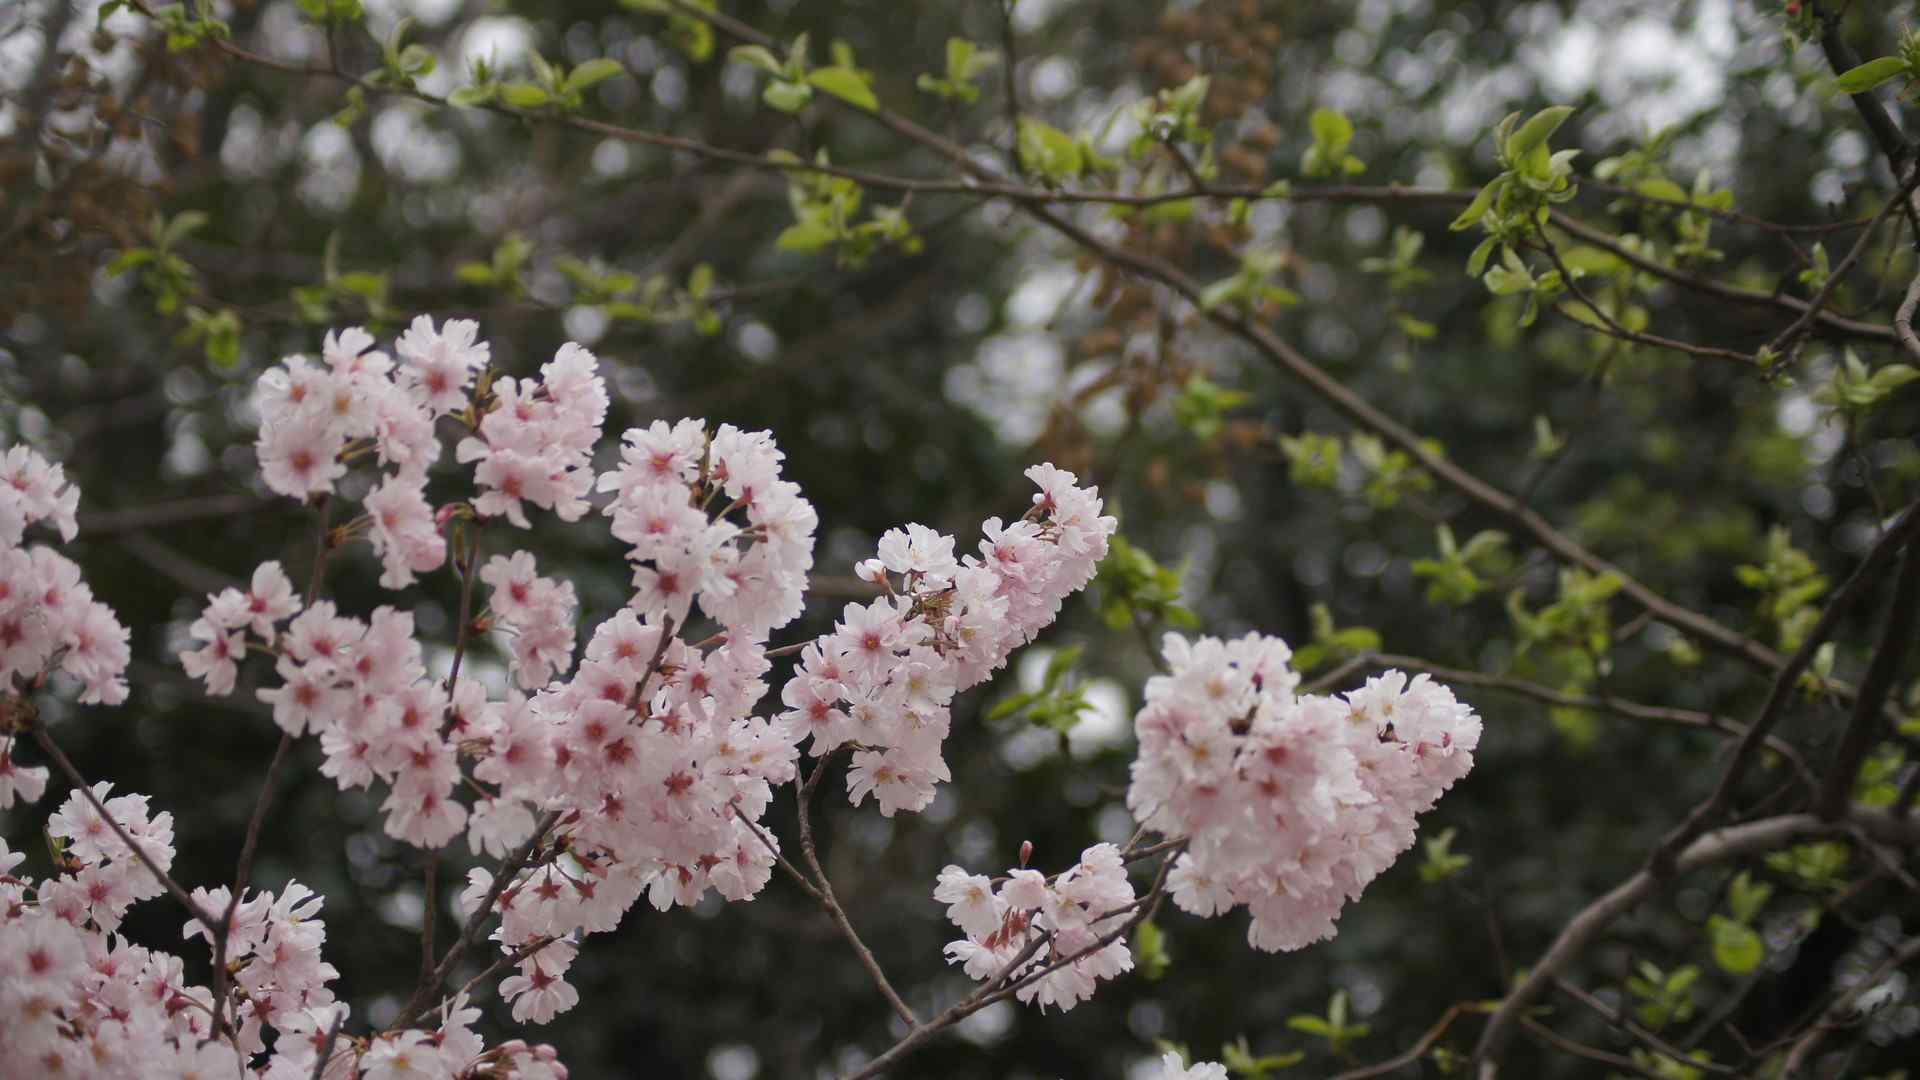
77, 1000
536, 439
49, 620
1290, 803
1171, 1068
884, 679
1077, 917
748, 577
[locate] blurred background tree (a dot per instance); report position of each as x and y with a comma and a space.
194, 190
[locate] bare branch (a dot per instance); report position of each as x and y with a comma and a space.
65, 765
824, 888
1903, 318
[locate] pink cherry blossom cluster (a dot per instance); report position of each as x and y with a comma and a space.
660, 773
312, 414
536, 439
1290, 804
1071, 912
643, 772
538, 612
360, 685
49, 620
77, 1000
451, 1051
748, 578
273, 948
884, 679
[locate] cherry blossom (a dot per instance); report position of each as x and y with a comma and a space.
1067, 916
886, 676
1290, 804
49, 619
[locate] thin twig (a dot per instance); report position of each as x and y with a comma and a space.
417, 1006
1419, 1049
326, 1045
1621, 1022
828, 900
65, 765
1787, 343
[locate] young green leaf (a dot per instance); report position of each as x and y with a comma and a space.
1860, 79
1534, 133
846, 84
590, 73
1737, 948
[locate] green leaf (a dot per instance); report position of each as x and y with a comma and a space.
700, 282
1859, 80
1221, 291
758, 56
183, 224
1736, 946
1746, 897
1048, 151
1535, 132
1659, 187
524, 95
468, 96
590, 73
1331, 128
1240, 1060
1060, 663
805, 236
1441, 862
1893, 376
130, 259
1418, 329
1011, 704
846, 84
788, 97
1312, 1025
1476, 210
1477, 261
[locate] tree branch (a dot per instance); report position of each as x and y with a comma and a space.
1717, 846
824, 888
1868, 725
1866, 575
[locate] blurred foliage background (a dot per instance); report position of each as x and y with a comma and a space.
912, 385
